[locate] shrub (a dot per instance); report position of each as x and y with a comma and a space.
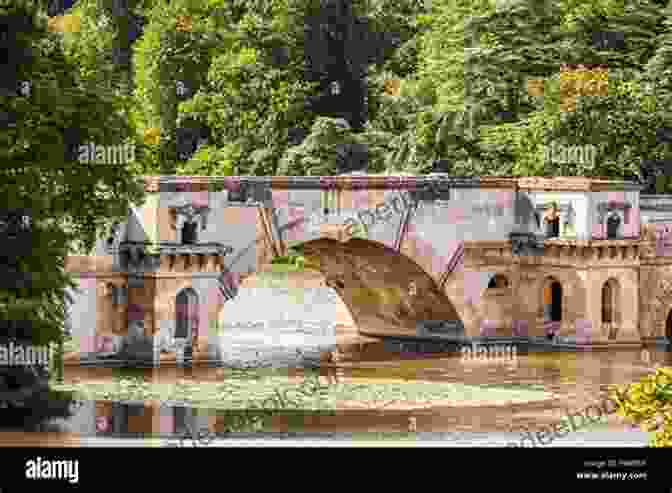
648, 404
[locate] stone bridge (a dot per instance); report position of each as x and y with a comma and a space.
397, 249
387, 245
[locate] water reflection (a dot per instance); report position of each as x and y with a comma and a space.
577, 379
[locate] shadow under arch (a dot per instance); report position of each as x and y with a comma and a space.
384, 290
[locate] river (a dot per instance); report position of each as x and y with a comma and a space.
572, 381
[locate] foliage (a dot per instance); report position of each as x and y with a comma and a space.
261, 73
68, 204
648, 403
419, 83
92, 48
331, 148
492, 116
293, 259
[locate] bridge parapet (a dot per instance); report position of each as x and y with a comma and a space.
220, 183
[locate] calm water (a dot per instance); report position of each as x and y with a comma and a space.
578, 380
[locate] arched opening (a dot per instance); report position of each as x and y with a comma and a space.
552, 227
189, 232
668, 327
607, 304
383, 289
610, 301
186, 314
552, 306
498, 281
556, 302
613, 223
136, 320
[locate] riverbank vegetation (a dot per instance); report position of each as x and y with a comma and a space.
251, 389
648, 403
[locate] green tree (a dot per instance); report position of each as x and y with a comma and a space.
331, 148
620, 123
244, 64
264, 70
67, 203
658, 70
485, 120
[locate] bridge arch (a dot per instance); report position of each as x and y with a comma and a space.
386, 291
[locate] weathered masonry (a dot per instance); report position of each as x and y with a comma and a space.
586, 259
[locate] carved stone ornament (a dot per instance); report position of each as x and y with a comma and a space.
648, 232
339, 232
525, 244
191, 213
603, 207
665, 287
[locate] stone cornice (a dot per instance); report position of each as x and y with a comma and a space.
203, 183
655, 203
594, 253
144, 257
656, 261
575, 184
170, 248
487, 244
593, 243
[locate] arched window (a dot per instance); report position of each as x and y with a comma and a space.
552, 227
552, 301
610, 301
186, 314
189, 232
607, 303
498, 281
613, 223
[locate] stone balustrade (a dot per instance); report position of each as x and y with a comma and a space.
173, 257
561, 252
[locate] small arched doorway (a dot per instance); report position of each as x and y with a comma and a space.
610, 304
668, 327
186, 314
189, 229
552, 306
613, 224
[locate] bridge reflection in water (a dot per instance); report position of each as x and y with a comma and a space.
577, 379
